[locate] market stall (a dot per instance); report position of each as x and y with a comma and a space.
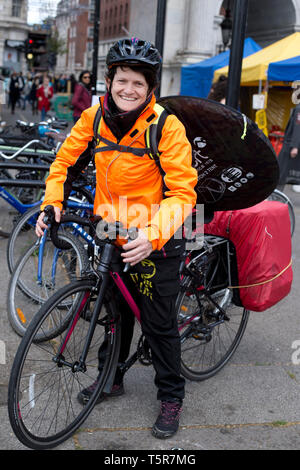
196, 79
278, 92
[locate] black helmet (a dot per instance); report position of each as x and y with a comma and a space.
134, 51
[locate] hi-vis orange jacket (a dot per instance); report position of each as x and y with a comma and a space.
130, 188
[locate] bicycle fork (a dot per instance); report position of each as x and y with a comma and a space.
103, 274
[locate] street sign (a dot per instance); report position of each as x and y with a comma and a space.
13, 43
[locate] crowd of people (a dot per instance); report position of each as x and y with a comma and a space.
37, 91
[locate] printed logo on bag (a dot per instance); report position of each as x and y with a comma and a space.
231, 174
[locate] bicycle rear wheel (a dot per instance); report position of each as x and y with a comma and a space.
26, 293
46, 377
208, 338
279, 196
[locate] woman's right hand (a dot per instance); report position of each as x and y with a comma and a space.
40, 224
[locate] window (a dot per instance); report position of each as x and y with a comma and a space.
91, 16
16, 8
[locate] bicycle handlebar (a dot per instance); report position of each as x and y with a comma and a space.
103, 230
35, 141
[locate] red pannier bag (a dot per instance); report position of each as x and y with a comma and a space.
261, 235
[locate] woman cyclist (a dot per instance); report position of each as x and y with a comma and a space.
131, 189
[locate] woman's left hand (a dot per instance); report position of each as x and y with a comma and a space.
137, 250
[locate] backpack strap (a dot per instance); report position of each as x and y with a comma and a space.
152, 136
96, 124
120, 148
153, 133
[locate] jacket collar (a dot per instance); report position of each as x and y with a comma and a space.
146, 117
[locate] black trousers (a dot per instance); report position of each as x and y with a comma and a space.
154, 284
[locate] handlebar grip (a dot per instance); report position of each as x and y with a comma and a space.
133, 233
50, 219
49, 215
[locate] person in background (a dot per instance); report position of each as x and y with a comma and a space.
32, 94
82, 98
25, 95
73, 82
14, 91
289, 156
44, 94
218, 90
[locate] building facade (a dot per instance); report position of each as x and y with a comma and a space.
13, 32
192, 30
75, 24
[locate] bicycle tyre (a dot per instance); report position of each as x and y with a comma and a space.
20, 239
279, 196
216, 344
25, 295
42, 394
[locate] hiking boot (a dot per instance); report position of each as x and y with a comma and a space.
85, 394
167, 422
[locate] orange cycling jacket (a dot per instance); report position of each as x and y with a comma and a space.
131, 188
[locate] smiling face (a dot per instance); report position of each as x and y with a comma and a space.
129, 89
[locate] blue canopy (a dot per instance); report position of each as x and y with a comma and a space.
285, 71
196, 79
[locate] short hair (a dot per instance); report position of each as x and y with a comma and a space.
150, 75
219, 89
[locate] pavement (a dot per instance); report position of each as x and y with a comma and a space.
251, 404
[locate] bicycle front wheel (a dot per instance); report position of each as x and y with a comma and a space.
27, 290
208, 337
46, 377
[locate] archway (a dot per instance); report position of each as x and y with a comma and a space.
267, 21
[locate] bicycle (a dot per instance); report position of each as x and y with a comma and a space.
51, 368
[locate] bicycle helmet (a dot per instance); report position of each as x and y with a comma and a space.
134, 51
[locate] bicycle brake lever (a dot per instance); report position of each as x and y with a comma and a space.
49, 215
132, 235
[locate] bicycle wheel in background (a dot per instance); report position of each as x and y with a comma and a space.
26, 292
208, 341
279, 196
23, 234
4, 227
46, 378
22, 237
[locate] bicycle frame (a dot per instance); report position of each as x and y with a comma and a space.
17, 151
14, 202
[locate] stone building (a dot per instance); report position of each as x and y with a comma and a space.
13, 32
192, 30
75, 24
193, 33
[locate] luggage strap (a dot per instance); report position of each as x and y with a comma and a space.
262, 282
